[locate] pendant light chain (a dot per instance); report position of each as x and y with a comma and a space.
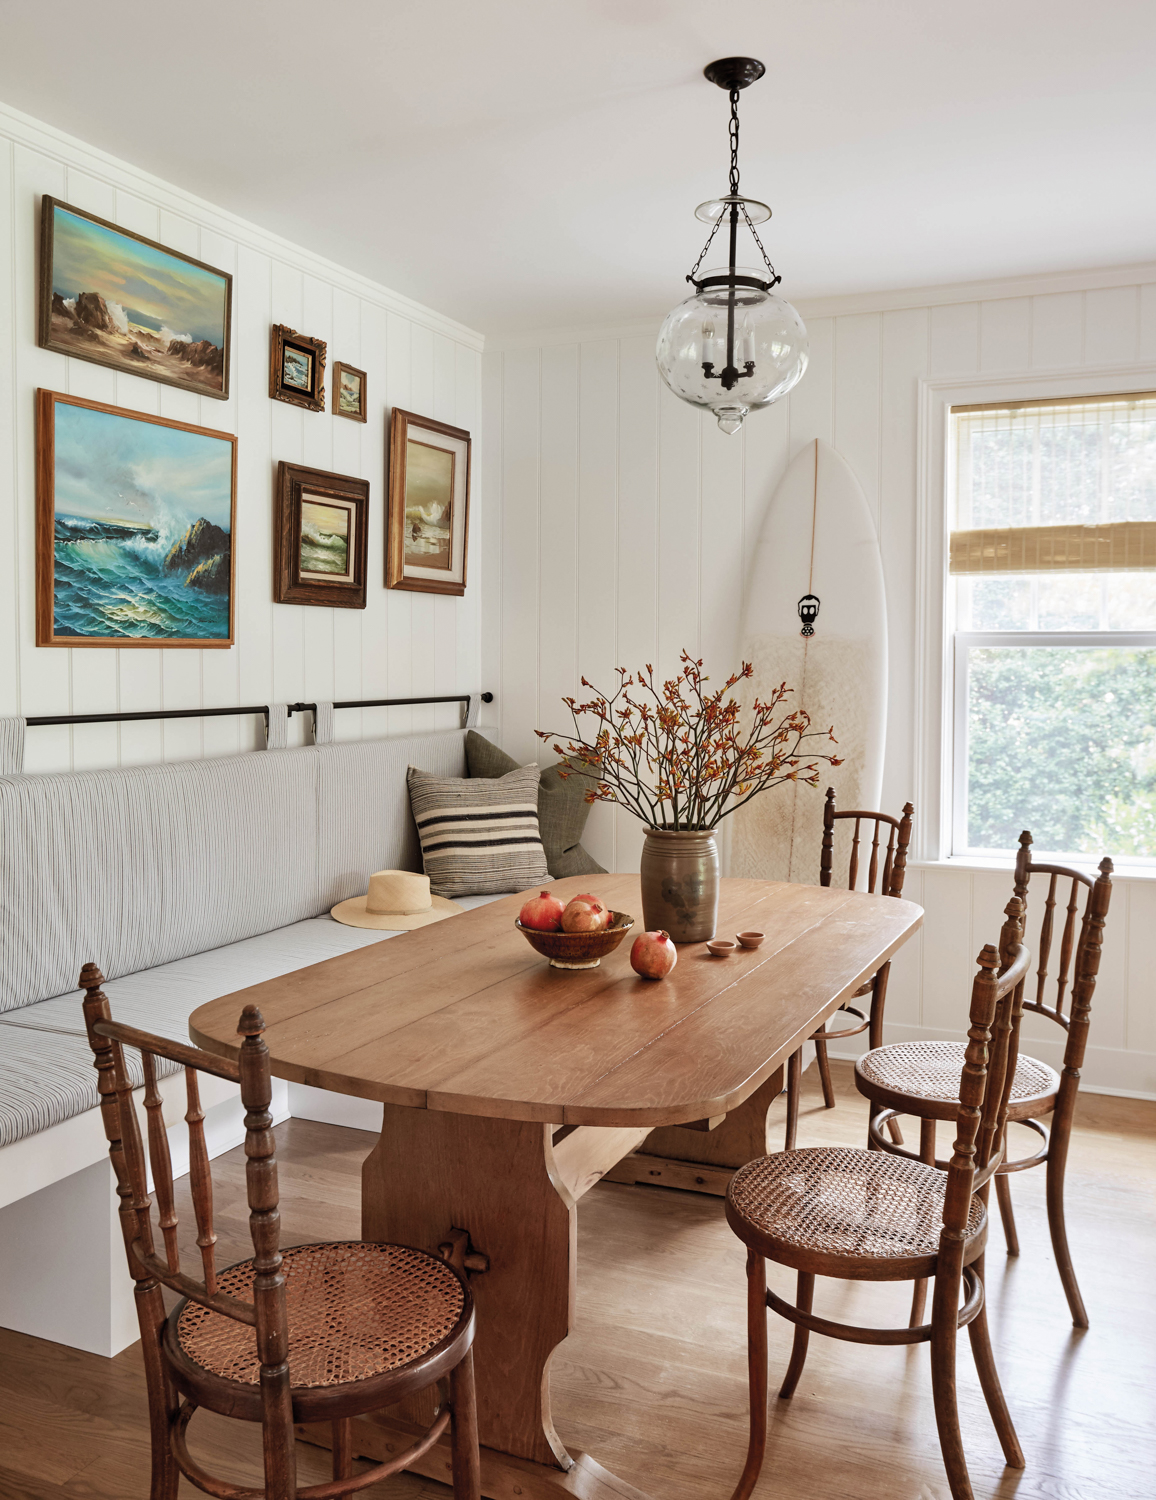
775, 277
693, 273
733, 133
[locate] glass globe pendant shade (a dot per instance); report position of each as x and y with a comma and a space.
732, 349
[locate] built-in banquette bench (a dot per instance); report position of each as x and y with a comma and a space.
182, 882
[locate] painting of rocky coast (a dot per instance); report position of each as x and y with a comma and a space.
120, 300
141, 518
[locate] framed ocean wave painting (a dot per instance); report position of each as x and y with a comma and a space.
118, 299
427, 526
297, 368
320, 538
134, 528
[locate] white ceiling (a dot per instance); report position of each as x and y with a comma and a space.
533, 163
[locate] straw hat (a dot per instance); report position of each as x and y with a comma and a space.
396, 901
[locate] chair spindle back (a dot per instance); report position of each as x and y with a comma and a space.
898, 832
988, 1070
1079, 958
108, 1038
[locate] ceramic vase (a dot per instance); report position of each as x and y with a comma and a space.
680, 875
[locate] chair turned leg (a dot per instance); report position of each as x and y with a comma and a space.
803, 1299
756, 1373
342, 1448
1006, 1213
894, 1131
824, 1072
467, 1464
164, 1402
943, 1390
919, 1288
1057, 1161
794, 1088
989, 1380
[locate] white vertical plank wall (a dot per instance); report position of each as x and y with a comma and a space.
400, 644
621, 521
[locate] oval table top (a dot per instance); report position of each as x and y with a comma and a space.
464, 1016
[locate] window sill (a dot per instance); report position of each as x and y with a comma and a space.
970, 863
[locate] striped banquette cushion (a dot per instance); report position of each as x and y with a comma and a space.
479, 836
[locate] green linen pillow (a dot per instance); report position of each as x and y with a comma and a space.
562, 807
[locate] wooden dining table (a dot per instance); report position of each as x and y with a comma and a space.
509, 1088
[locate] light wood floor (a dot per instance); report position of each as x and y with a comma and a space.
652, 1380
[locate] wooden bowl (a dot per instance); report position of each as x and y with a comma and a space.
750, 939
578, 950
722, 947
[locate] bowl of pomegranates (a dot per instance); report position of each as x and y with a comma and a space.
573, 935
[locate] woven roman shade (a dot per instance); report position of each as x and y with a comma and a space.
1075, 478
1119, 546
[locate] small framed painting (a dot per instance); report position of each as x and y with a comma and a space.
348, 392
320, 538
297, 368
117, 299
427, 527
134, 528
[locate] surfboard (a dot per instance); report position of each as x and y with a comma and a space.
818, 538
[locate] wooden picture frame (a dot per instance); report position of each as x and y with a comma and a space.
345, 377
316, 560
428, 510
297, 368
86, 263
134, 528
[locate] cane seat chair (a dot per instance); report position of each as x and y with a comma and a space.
919, 1078
315, 1333
889, 882
869, 1216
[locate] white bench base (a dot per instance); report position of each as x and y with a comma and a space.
61, 1249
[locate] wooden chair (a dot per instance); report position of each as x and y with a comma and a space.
319, 1332
890, 884
918, 1078
871, 1216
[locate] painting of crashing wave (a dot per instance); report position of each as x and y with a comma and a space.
134, 528
118, 299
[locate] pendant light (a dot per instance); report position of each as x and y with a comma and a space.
734, 346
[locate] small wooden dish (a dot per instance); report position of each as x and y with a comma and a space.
750, 939
578, 950
722, 947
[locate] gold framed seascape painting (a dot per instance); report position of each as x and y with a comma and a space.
118, 299
427, 527
134, 528
297, 368
349, 392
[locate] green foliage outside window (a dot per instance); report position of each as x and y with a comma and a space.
1063, 742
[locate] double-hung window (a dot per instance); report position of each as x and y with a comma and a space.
1052, 591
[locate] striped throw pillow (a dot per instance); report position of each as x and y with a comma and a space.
479, 837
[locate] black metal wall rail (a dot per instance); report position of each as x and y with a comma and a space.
260, 708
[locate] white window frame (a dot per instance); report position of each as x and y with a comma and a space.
939, 760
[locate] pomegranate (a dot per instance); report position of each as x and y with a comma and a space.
585, 914
653, 955
543, 913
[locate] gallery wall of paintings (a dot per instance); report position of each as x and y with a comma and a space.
175, 414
